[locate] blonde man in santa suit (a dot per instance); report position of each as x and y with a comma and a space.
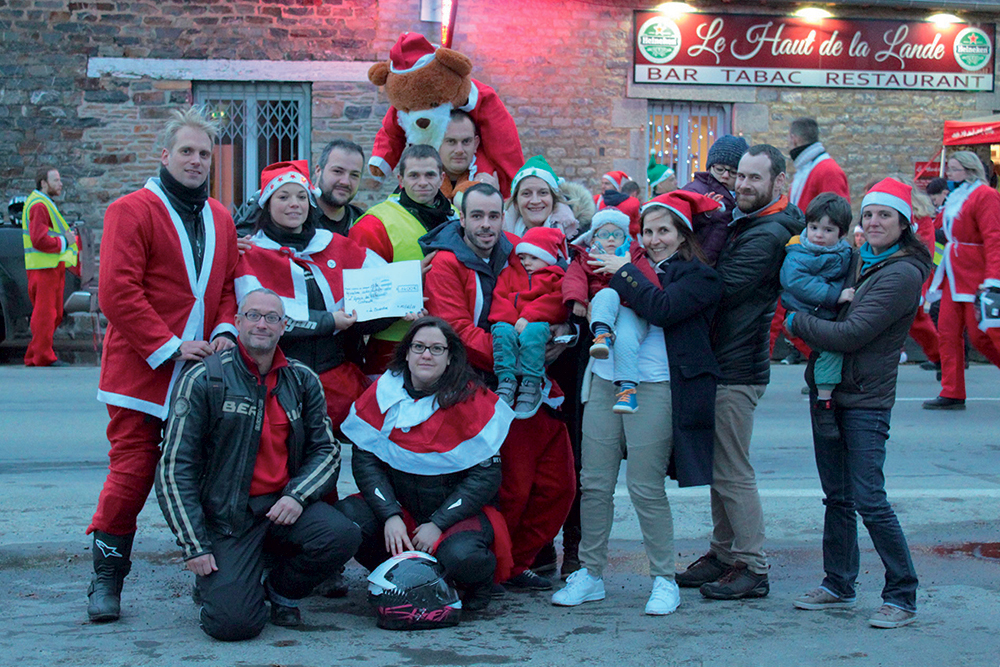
169, 256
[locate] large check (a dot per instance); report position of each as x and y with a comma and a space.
392, 290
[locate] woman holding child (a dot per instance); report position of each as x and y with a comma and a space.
886, 276
675, 384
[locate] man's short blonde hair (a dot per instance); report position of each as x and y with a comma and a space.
192, 117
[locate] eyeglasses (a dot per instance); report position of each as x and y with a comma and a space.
614, 234
437, 350
724, 170
270, 318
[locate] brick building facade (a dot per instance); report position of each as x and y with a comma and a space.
87, 84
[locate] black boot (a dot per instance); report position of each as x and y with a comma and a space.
111, 564
571, 551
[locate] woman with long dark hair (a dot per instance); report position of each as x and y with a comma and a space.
427, 438
887, 274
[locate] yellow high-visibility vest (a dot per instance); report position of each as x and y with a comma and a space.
34, 258
403, 230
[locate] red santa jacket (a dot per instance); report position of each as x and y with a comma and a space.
152, 298
269, 265
499, 145
536, 297
827, 176
972, 254
582, 283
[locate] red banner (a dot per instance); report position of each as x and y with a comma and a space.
749, 50
960, 133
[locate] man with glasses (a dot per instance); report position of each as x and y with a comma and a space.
719, 183
232, 482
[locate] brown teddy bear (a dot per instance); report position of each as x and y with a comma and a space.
424, 84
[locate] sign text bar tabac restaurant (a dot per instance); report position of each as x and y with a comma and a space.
745, 50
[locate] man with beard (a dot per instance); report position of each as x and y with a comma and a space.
735, 566
392, 228
537, 459
338, 175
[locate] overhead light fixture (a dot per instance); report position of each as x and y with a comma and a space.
944, 19
675, 9
812, 13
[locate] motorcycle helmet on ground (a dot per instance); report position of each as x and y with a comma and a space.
409, 592
987, 307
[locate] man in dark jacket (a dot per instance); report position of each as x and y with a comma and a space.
231, 480
338, 176
719, 183
735, 566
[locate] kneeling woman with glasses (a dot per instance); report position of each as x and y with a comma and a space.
426, 459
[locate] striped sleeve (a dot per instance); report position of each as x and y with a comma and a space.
182, 462
320, 467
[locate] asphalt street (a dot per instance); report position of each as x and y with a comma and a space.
943, 473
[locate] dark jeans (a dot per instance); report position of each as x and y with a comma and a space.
850, 470
306, 553
465, 555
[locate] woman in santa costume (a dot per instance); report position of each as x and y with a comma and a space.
427, 438
971, 262
304, 265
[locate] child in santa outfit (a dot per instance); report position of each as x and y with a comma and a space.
812, 279
526, 300
611, 322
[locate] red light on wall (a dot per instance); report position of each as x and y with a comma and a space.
449, 8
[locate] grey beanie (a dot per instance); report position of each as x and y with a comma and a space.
727, 150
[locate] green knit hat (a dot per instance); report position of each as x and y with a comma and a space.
536, 166
657, 173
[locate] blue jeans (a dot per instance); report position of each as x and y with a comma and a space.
850, 470
520, 354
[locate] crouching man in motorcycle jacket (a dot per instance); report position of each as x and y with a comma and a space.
248, 451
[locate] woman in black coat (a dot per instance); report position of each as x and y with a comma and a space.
674, 435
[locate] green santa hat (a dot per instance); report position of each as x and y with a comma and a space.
536, 166
657, 173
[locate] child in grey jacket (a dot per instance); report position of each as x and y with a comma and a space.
812, 279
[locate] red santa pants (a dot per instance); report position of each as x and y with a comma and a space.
539, 484
926, 335
954, 318
45, 289
778, 326
135, 450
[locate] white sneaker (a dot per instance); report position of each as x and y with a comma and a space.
580, 587
665, 598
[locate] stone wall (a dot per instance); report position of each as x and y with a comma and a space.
101, 132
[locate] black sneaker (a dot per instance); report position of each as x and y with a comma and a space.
944, 403
824, 419
737, 583
286, 617
706, 569
931, 366
545, 561
528, 581
335, 586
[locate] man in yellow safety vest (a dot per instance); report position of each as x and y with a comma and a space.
392, 228
49, 247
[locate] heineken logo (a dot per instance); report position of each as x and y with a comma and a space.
659, 40
973, 49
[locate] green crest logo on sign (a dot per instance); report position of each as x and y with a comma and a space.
973, 49
659, 40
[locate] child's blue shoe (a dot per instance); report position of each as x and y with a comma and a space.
627, 403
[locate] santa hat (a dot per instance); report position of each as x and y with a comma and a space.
546, 243
657, 173
538, 167
617, 177
278, 174
410, 52
892, 193
684, 204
